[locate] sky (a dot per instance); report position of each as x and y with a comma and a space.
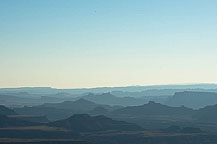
100, 43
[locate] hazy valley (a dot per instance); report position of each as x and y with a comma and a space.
43, 115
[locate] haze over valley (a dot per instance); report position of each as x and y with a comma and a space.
108, 72
110, 114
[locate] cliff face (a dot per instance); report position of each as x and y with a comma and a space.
194, 100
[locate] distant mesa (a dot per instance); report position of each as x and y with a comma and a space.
192, 99
153, 108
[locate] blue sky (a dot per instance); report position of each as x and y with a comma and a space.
83, 43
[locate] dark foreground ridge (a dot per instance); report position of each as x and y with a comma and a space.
87, 123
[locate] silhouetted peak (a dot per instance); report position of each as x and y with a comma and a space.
87, 123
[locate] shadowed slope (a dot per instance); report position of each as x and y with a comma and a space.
86, 123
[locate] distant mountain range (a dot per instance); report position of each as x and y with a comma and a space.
99, 118
109, 99
49, 90
65, 109
81, 105
192, 96
143, 114
56, 111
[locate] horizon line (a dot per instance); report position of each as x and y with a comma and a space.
178, 84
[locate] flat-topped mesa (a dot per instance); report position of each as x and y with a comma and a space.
193, 99
153, 108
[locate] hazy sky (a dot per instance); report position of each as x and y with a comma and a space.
91, 43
